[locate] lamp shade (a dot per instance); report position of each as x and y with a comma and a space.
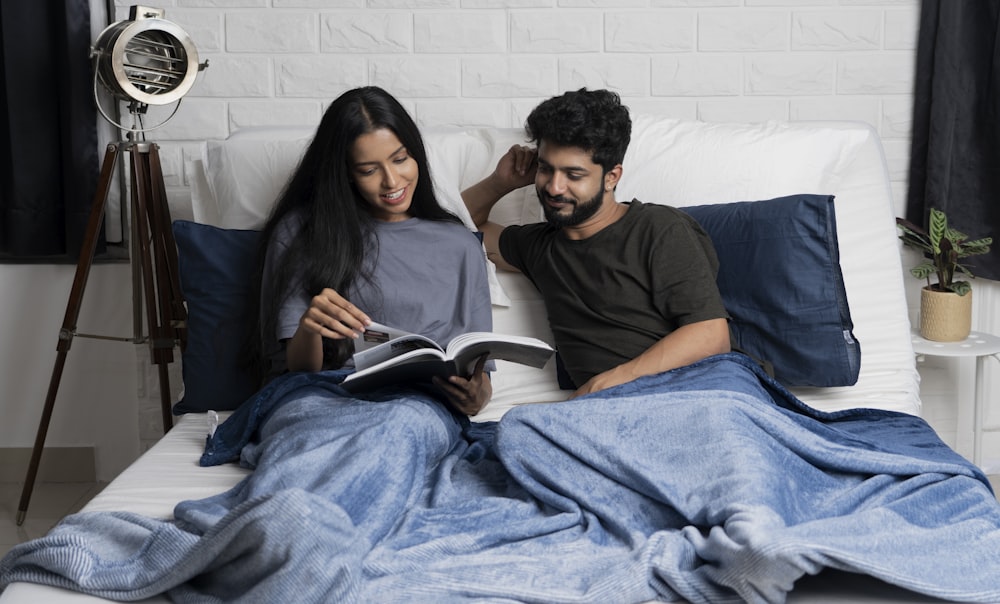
146, 59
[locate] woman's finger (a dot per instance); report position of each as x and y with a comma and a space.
335, 313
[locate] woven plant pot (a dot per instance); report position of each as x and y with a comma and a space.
945, 316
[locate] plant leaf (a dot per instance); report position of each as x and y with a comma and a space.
961, 287
923, 271
938, 228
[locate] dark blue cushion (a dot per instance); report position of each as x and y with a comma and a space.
215, 267
780, 279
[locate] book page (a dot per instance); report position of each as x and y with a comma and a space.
518, 349
412, 364
376, 334
378, 343
415, 358
474, 337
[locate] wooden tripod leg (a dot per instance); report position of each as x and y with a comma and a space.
165, 253
68, 331
173, 315
145, 191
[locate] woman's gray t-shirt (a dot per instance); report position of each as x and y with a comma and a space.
430, 279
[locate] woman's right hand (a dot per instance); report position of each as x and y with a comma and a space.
331, 315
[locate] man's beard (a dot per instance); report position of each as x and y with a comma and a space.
581, 211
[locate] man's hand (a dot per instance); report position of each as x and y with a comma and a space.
516, 168
603, 381
468, 395
683, 346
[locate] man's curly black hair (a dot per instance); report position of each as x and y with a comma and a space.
593, 120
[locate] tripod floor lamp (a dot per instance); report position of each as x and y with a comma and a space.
143, 61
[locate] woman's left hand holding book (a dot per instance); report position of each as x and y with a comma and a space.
468, 395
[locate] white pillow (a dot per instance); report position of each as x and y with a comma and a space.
689, 163
452, 156
245, 175
515, 384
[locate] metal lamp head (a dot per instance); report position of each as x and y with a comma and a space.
145, 60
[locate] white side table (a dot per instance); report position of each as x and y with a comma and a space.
979, 345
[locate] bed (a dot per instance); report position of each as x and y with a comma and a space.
818, 484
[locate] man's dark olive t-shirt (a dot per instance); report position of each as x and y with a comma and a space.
613, 295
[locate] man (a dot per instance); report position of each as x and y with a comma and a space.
629, 288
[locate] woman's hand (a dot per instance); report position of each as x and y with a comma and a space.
468, 395
329, 315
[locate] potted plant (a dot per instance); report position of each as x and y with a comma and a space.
945, 306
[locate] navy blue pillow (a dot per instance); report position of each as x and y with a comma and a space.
215, 268
780, 279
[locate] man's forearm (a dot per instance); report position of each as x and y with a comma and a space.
481, 197
686, 345
515, 169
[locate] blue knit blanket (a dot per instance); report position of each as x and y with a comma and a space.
710, 483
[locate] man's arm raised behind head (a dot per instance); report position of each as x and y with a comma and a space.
515, 169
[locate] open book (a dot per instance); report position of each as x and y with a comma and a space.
384, 355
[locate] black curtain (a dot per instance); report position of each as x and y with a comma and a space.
48, 134
955, 158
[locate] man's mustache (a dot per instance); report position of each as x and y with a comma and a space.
556, 198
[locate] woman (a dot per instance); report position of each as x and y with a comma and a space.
356, 236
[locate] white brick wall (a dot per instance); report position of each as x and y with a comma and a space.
488, 62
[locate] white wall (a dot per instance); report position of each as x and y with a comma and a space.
96, 402
488, 62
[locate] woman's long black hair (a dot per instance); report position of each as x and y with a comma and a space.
335, 247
